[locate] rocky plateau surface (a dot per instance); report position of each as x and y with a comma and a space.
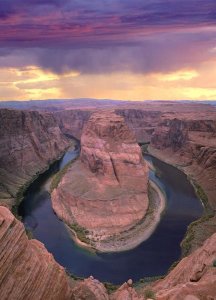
105, 191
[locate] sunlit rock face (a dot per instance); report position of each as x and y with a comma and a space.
104, 191
29, 142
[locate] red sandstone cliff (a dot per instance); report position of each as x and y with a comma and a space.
29, 142
106, 190
27, 270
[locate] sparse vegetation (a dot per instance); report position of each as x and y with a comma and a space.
144, 148
186, 244
201, 195
74, 277
149, 294
110, 287
29, 234
190, 234
81, 233
148, 280
58, 176
214, 263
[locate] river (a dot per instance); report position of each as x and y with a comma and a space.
152, 258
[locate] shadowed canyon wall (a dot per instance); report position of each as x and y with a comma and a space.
29, 142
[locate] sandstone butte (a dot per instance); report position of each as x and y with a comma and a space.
105, 191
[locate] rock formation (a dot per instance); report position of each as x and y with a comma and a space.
71, 122
126, 292
29, 142
194, 276
90, 289
27, 270
105, 191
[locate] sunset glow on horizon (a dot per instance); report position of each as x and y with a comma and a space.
128, 50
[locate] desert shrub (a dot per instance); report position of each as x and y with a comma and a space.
149, 294
81, 233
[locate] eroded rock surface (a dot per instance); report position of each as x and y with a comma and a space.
105, 191
90, 289
126, 292
27, 270
29, 142
194, 276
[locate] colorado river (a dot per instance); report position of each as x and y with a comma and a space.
152, 258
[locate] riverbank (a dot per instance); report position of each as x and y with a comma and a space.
20, 194
199, 230
130, 239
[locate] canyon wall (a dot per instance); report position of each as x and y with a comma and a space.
142, 122
105, 191
27, 270
71, 122
29, 142
191, 144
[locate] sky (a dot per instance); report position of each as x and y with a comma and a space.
112, 49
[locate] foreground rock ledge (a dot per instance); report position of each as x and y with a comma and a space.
105, 191
27, 270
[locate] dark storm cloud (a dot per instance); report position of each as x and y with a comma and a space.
107, 35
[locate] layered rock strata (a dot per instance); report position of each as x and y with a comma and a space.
27, 270
29, 142
105, 191
190, 144
71, 122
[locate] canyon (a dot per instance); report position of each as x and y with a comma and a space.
183, 135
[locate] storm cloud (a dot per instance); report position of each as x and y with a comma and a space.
103, 36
